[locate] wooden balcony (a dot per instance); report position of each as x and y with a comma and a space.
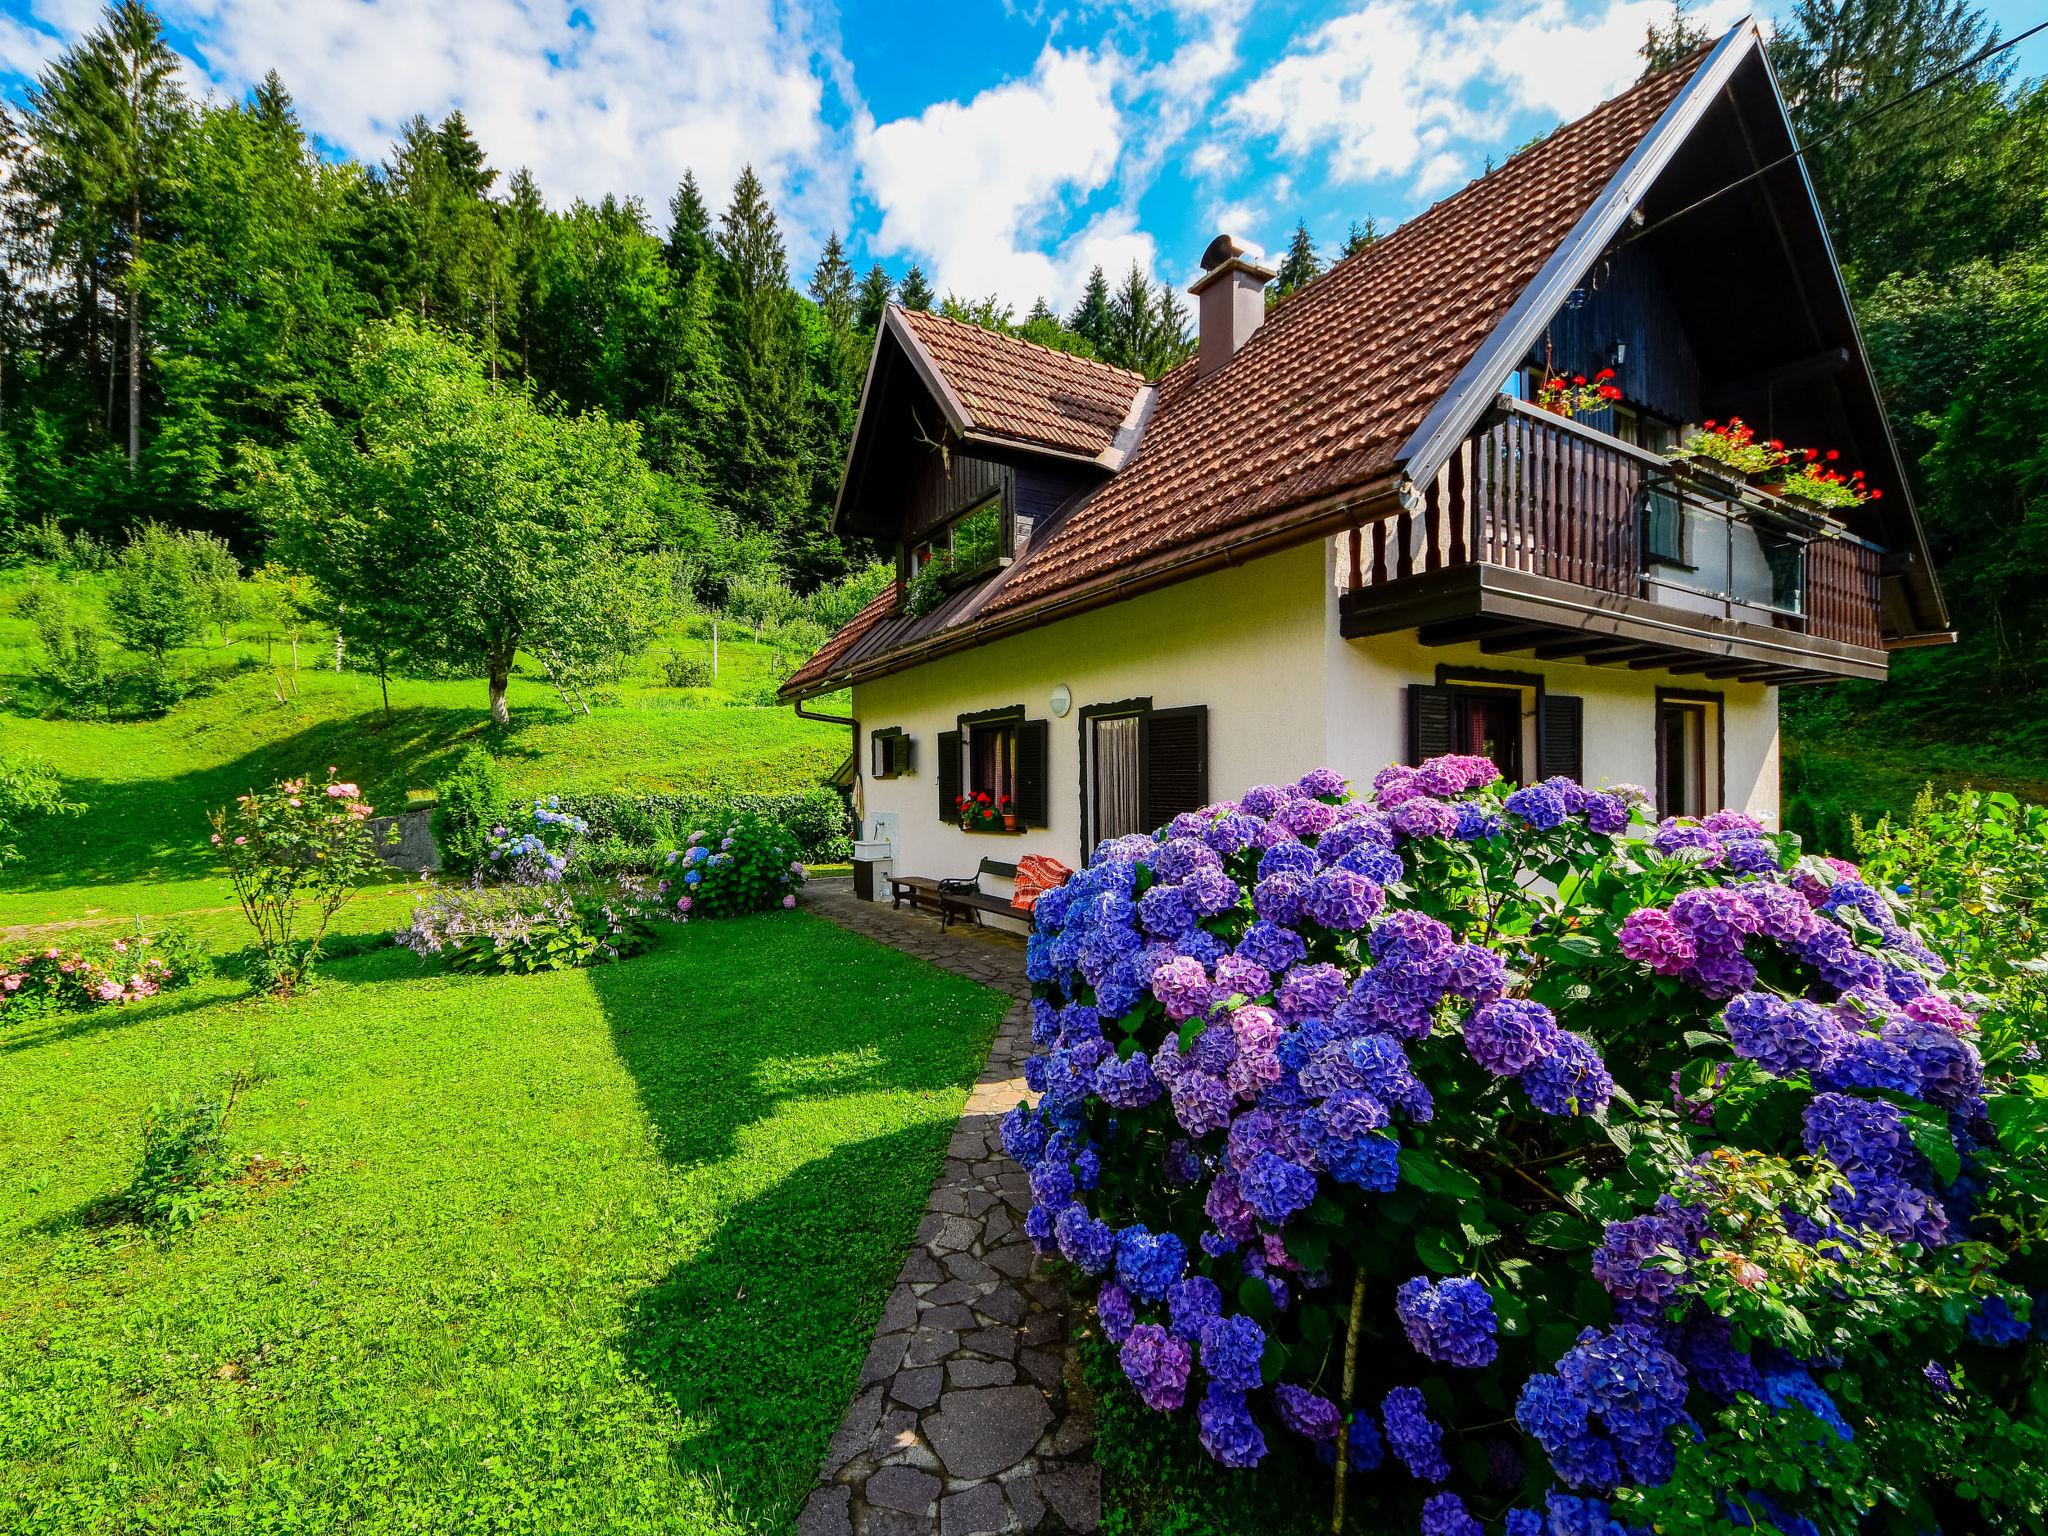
1542, 535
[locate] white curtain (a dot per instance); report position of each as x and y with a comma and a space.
1117, 805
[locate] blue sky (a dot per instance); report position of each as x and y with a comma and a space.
1006, 146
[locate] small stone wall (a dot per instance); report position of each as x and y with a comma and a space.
415, 850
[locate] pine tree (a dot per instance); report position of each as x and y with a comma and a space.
1359, 236
875, 290
1899, 187
1090, 319
689, 243
463, 156
103, 122
759, 477
915, 291
271, 105
1148, 326
1677, 38
524, 228
1298, 268
832, 285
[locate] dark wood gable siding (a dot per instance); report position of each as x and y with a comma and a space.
1043, 488
945, 485
1624, 299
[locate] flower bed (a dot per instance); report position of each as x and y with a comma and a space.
62, 979
538, 904
1572, 1173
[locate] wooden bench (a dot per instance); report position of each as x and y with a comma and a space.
924, 895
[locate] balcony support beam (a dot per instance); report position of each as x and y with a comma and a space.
1466, 602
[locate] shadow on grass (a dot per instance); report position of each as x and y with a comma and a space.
757, 1337
156, 828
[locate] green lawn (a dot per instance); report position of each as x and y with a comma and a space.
149, 782
582, 1252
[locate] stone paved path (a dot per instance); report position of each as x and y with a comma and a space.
963, 1423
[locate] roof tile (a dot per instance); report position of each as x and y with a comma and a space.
1017, 389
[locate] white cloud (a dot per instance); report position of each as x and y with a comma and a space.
975, 187
605, 96
1388, 91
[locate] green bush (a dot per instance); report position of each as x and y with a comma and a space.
741, 864
469, 803
680, 671
184, 1158
815, 819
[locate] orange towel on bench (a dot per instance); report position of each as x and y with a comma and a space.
1037, 874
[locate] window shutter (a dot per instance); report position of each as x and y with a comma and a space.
1032, 746
1173, 747
1560, 736
949, 775
1432, 722
905, 753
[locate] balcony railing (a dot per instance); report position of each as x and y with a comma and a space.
1545, 495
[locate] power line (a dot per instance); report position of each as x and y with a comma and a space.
1990, 50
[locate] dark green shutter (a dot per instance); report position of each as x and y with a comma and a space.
1432, 722
1560, 736
905, 752
1032, 772
949, 775
1173, 753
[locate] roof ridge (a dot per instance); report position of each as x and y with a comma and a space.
1022, 341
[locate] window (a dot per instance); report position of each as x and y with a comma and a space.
1688, 754
1140, 767
992, 761
891, 753
1487, 722
999, 754
1481, 714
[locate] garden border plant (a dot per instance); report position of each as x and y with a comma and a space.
1584, 1174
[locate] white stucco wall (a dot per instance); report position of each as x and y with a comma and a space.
1259, 646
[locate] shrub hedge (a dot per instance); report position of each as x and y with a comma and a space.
816, 818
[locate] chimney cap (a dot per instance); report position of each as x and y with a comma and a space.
1227, 253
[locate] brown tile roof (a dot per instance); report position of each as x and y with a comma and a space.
829, 654
1017, 389
1328, 389
1320, 400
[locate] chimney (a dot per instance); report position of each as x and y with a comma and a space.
1232, 294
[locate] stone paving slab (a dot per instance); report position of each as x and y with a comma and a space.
963, 1425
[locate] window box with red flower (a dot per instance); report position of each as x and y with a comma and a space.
1578, 395
1734, 445
983, 812
1817, 483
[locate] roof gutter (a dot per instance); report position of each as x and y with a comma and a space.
823, 719
1310, 521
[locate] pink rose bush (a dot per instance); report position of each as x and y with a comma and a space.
62, 978
1638, 1167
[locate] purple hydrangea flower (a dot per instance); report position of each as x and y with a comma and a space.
1164, 911
1271, 946
1606, 813
1210, 892
1995, 1323
1126, 1084
1113, 1310
1783, 1035
1866, 1140
1288, 859
1539, 805
1182, 856
1276, 1188
1444, 1515
1190, 1304
1674, 836
1422, 818
1649, 936
1309, 991
1414, 1435
1038, 1226
1225, 1205
1475, 823
1342, 899
1451, 1322
1321, 783
1084, 1242
1509, 1034
1621, 1263
1475, 973
1277, 897
1182, 986
1052, 1184
1148, 1262
1183, 1162
1232, 1349
1306, 1414
1157, 1365
1227, 1430
1570, 1079
1023, 1135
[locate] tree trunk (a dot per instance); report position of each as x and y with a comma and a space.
134, 336
501, 713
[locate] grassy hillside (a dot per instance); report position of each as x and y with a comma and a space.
254, 720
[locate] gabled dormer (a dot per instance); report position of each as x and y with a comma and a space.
968, 446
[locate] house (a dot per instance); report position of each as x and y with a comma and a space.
1345, 532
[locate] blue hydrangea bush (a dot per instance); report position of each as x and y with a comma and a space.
1563, 1170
